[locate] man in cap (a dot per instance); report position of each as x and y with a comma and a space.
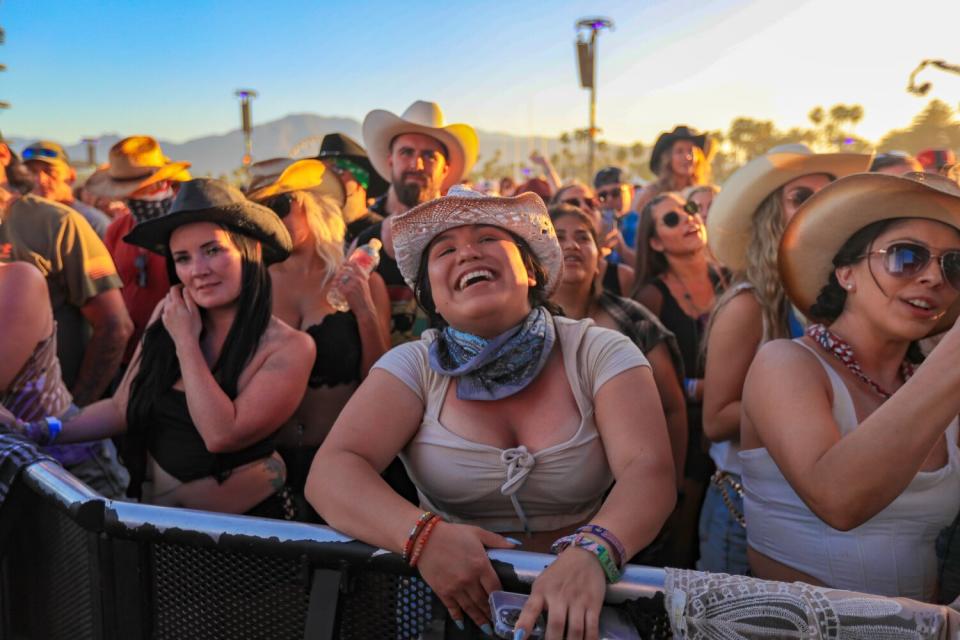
422, 157
145, 180
616, 197
92, 324
54, 177
346, 159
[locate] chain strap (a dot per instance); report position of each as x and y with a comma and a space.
725, 482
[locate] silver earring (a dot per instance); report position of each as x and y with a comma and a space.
849, 286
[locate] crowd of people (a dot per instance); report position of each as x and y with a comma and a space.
750, 378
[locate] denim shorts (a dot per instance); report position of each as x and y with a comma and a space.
102, 471
723, 542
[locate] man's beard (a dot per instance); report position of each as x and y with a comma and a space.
413, 192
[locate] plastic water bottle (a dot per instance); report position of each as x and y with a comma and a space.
367, 257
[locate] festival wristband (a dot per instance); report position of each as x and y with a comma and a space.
54, 427
620, 554
690, 388
610, 569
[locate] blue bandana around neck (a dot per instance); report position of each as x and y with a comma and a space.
496, 368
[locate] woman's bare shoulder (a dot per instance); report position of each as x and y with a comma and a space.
22, 279
280, 336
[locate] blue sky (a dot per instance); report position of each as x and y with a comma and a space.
170, 68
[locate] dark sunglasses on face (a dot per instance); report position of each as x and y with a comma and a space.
908, 259
583, 203
672, 218
280, 205
606, 194
32, 154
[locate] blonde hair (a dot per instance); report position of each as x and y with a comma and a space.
325, 221
762, 273
691, 191
667, 180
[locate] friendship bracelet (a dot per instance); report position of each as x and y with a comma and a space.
611, 571
422, 540
414, 532
612, 541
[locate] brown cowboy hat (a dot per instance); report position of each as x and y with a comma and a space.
135, 162
302, 175
828, 219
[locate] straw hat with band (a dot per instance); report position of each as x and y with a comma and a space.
830, 217
731, 215
209, 200
525, 216
666, 140
135, 163
302, 175
339, 146
381, 127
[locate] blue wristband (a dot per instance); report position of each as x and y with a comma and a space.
54, 427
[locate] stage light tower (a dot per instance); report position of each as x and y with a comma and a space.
246, 122
587, 63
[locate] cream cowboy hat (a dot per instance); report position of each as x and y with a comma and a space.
524, 215
135, 162
301, 175
381, 127
731, 215
831, 216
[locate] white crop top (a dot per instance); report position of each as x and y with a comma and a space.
892, 554
514, 489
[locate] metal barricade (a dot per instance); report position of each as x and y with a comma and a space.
76, 565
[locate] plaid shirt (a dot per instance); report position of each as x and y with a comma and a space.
642, 327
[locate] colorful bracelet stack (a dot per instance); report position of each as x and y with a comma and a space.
419, 534
611, 546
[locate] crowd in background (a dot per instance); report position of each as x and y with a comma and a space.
752, 378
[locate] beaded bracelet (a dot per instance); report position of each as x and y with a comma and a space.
610, 568
422, 540
607, 536
414, 532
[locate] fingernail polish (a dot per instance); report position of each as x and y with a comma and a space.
518, 634
487, 629
513, 541
459, 624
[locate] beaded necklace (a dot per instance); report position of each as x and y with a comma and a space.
836, 345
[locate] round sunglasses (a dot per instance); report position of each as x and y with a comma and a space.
672, 218
909, 259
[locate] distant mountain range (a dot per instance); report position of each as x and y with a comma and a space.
296, 135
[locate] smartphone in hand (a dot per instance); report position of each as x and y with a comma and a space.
505, 608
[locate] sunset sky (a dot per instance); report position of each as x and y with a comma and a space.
170, 68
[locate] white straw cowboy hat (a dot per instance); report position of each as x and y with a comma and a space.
731, 215
301, 175
828, 219
135, 162
381, 127
525, 216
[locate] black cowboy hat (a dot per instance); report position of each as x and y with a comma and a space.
209, 200
666, 140
340, 145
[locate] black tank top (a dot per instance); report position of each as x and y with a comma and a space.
688, 330
611, 279
339, 352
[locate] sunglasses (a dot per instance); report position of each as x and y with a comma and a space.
33, 152
608, 194
280, 205
583, 203
907, 260
672, 219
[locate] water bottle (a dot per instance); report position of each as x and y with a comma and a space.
367, 257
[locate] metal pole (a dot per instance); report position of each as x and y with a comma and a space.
592, 131
246, 123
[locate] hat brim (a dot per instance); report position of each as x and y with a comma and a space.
830, 217
101, 184
524, 216
663, 143
731, 214
381, 127
248, 218
377, 187
325, 183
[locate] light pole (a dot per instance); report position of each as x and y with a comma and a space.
246, 123
587, 63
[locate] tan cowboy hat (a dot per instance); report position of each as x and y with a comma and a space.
524, 215
828, 219
381, 127
135, 162
731, 215
302, 175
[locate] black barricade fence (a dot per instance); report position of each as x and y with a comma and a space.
75, 565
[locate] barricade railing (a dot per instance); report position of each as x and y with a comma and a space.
77, 565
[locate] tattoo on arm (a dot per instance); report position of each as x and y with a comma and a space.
277, 473
101, 359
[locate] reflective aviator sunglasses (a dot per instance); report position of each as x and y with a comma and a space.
909, 259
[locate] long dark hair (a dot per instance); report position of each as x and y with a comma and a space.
537, 295
649, 263
833, 297
159, 367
